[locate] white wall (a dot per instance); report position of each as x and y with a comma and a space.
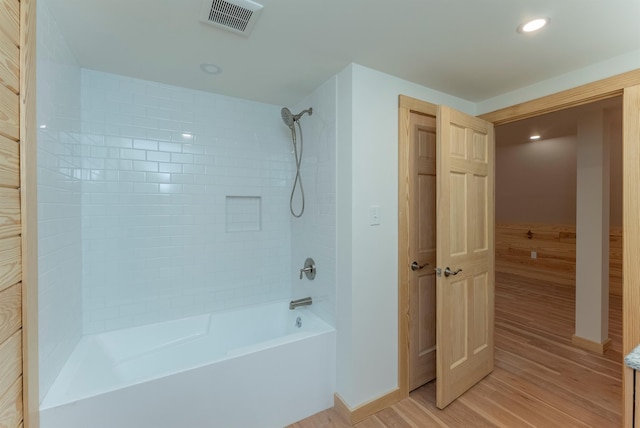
592, 228
160, 237
59, 242
314, 234
345, 382
367, 280
536, 181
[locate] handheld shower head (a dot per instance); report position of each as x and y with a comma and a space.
289, 118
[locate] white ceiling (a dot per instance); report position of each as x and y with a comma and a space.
467, 48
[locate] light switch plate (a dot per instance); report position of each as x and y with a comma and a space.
374, 215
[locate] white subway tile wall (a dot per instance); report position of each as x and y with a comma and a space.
59, 199
134, 184
158, 164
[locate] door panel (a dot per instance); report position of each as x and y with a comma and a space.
457, 322
480, 314
457, 213
480, 197
426, 210
465, 242
422, 283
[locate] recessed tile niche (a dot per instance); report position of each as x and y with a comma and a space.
243, 213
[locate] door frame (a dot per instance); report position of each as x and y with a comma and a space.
599, 90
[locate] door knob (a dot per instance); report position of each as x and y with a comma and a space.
448, 271
415, 266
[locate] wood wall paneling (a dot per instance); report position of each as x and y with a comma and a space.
10, 361
9, 63
10, 20
9, 113
11, 405
10, 262
9, 163
9, 212
555, 246
10, 312
11, 356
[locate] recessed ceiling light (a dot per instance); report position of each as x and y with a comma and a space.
210, 68
187, 135
534, 137
533, 25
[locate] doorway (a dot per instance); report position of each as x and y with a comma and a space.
606, 88
536, 192
463, 273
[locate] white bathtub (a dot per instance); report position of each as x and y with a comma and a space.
249, 368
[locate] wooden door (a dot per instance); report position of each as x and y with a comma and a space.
465, 244
422, 279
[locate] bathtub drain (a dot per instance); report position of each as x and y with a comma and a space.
298, 322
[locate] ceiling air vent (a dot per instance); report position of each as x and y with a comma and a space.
237, 16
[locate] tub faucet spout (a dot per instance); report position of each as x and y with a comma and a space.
300, 302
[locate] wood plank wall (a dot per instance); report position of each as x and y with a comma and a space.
11, 407
555, 245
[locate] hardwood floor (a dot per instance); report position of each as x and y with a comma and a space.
540, 379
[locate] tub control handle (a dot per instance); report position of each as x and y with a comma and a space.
309, 269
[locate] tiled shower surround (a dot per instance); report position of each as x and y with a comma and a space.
157, 202
185, 202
